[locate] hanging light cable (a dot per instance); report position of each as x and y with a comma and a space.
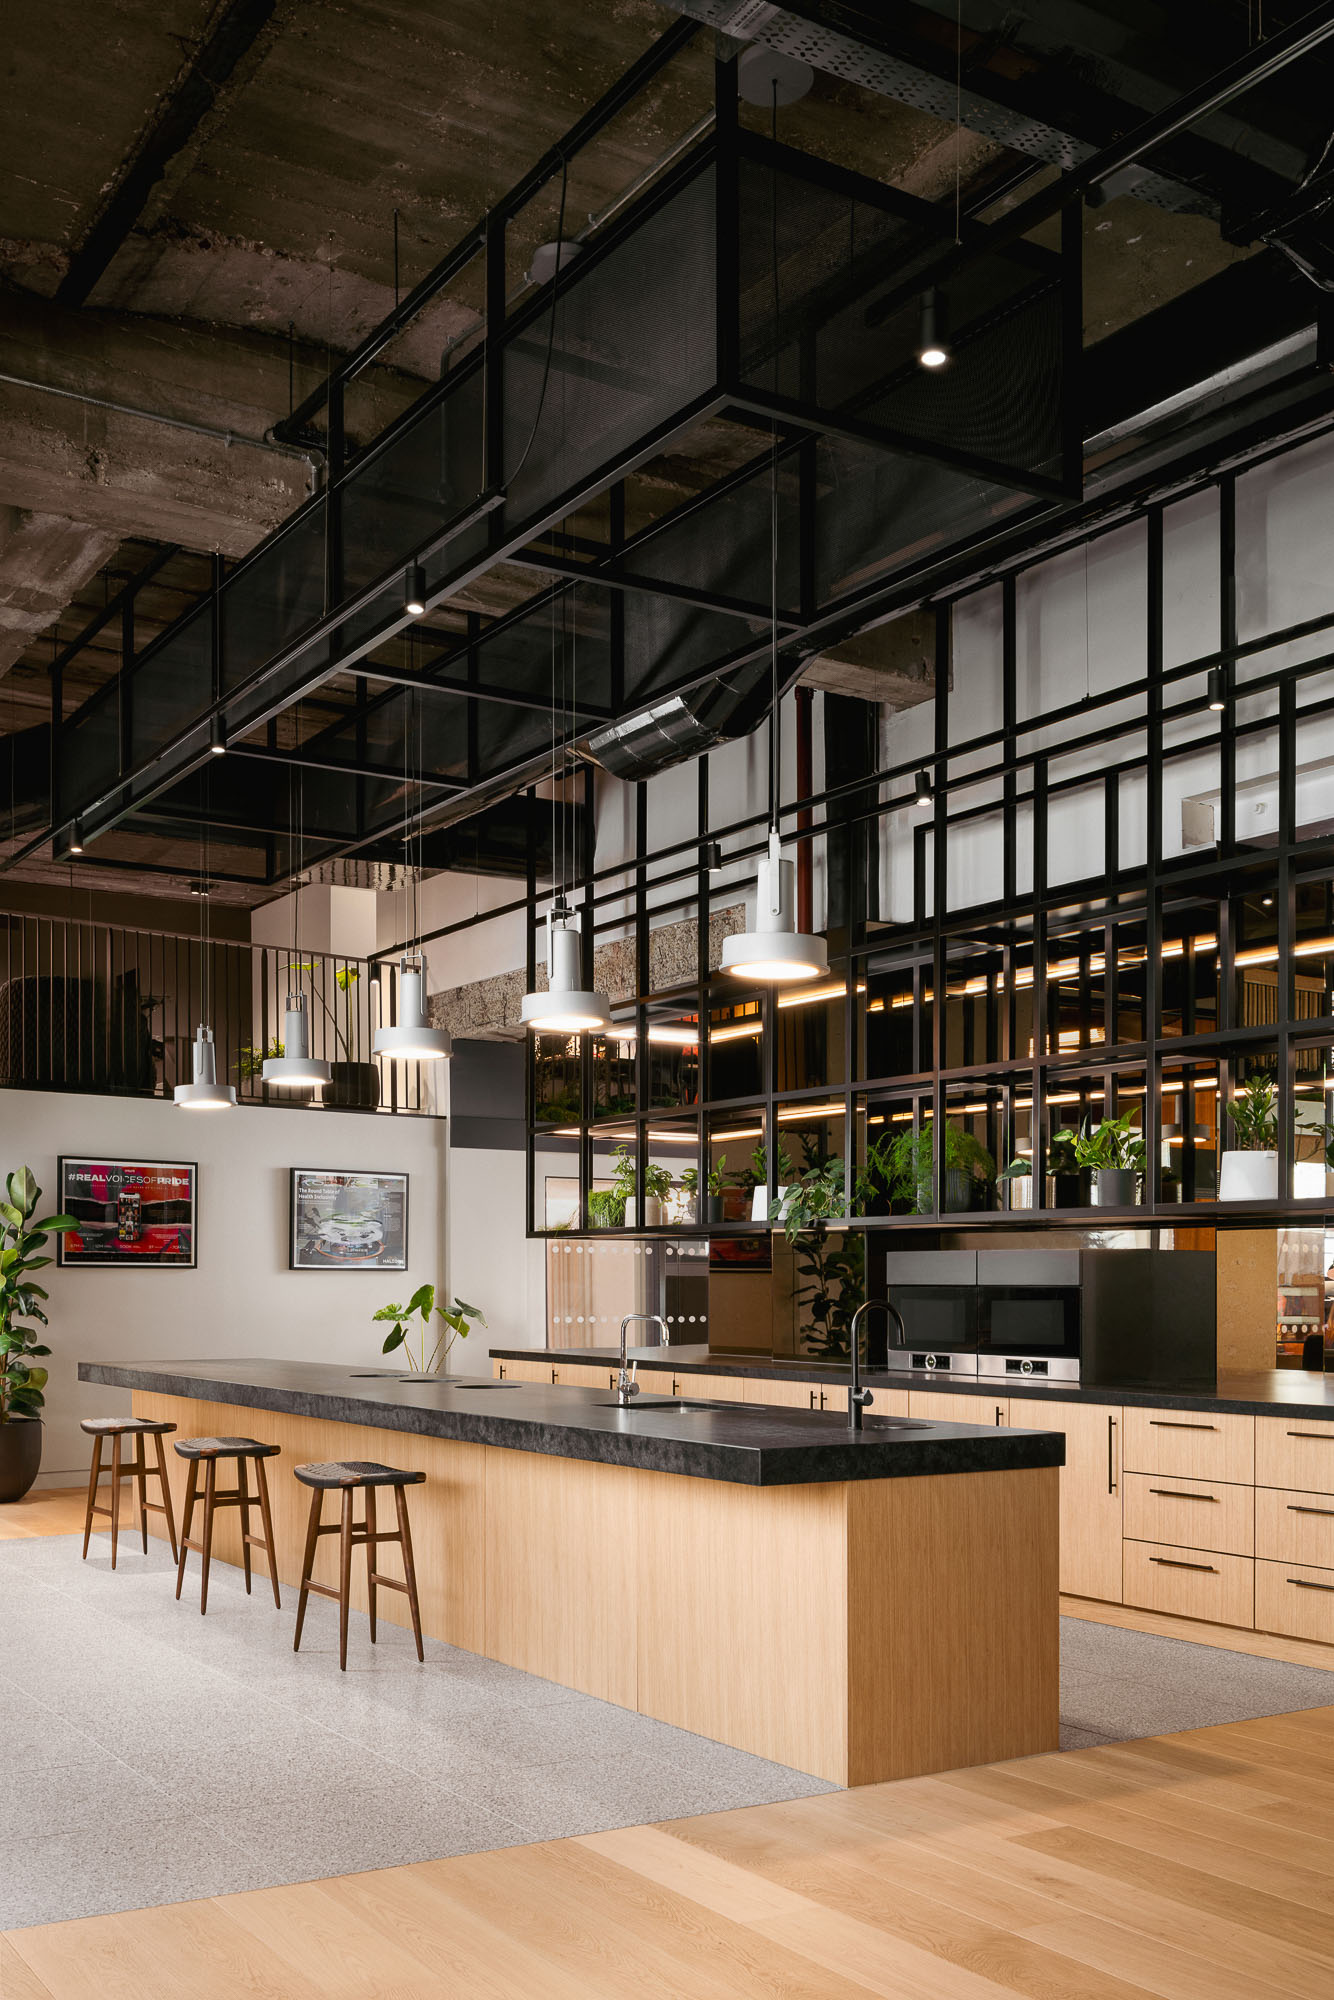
204, 1092
412, 1038
294, 1068
772, 949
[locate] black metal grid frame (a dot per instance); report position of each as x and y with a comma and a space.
1037, 927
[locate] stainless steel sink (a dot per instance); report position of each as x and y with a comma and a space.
666, 1406
427, 1381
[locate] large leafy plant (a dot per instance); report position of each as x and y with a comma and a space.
1254, 1115
907, 1163
425, 1345
1116, 1144
21, 1241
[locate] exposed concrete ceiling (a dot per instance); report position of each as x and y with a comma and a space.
197, 207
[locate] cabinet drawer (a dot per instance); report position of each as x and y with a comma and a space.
1295, 1527
1295, 1600
1192, 1445
1195, 1513
938, 1406
785, 1395
1295, 1452
1190, 1583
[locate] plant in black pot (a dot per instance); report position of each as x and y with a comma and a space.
22, 1377
1114, 1154
720, 1179
1063, 1172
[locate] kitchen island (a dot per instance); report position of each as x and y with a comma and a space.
858, 1605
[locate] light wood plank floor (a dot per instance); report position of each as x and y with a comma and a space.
59, 1511
1194, 1867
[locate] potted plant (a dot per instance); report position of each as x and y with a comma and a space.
425, 1345
22, 1377
1113, 1153
606, 1208
1249, 1169
761, 1209
657, 1189
968, 1169
830, 1265
687, 1199
718, 1181
1065, 1183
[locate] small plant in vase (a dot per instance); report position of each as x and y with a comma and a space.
426, 1346
1114, 1154
785, 1174
1249, 1170
718, 1181
686, 1203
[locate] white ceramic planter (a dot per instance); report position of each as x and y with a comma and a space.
1248, 1177
652, 1213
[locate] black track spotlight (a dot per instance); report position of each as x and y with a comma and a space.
712, 858
1217, 695
932, 340
75, 837
921, 789
414, 593
217, 737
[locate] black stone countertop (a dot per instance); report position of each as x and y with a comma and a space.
1265, 1393
750, 1447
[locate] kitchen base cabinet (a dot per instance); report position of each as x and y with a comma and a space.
1294, 1452
1195, 1513
1192, 1445
1091, 1527
1295, 1601
939, 1406
1190, 1583
1295, 1527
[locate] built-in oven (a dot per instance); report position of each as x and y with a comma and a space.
1029, 1315
935, 1295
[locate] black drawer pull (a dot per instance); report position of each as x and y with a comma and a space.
1300, 1583
1209, 1569
1321, 1436
1170, 1424
1326, 1512
1166, 1493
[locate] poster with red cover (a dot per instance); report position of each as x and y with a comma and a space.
131, 1213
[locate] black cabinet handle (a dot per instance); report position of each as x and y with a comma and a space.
1301, 1583
1322, 1436
1111, 1454
1170, 1424
1326, 1512
1209, 1569
1166, 1493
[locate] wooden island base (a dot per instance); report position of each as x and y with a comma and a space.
856, 1630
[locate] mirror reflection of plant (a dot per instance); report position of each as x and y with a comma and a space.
1061, 1157
909, 1162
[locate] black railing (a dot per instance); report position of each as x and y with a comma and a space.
90, 1007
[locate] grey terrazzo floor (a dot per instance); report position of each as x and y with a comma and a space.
169, 1756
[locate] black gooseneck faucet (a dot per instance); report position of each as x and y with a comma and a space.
860, 1399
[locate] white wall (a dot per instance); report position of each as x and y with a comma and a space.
241, 1300
491, 1262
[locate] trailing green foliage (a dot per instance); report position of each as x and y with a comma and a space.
606, 1208
906, 1163
412, 1323
21, 1239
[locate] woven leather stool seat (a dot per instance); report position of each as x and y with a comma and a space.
125, 1427
348, 1477
202, 1455
140, 1429
226, 1448
356, 1472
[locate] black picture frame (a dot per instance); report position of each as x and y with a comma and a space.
124, 1236
345, 1243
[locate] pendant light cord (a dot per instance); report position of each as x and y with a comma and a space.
775, 744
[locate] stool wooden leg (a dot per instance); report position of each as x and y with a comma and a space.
270, 1549
308, 1562
370, 1556
409, 1571
243, 1505
344, 1576
210, 1488
93, 1478
187, 1517
166, 1492
115, 1495
140, 1471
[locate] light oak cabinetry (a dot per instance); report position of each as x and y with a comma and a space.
1190, 1583
1295, 1601
1294, 1527
940, 1406
1192, 1513
1292, 1452
1190, 1444
1090, 1492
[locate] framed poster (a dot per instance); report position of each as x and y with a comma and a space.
348, 1221
130, 1213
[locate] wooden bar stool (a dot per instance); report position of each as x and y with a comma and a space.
207, 1452
347, 1477
138, 1469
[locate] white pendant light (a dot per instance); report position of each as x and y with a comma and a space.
566, 1007
205, 1093
773, 950
296, 1066
413, 1039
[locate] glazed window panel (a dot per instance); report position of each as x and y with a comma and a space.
557, 1080
673, 1056
1188, 1149
613, 1064
1188, 968
898, 1034
810, 1025
736, 1165
1250, 1167
1312, 1130
734, 1062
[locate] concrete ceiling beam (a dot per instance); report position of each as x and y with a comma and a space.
44, 560
893, 664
